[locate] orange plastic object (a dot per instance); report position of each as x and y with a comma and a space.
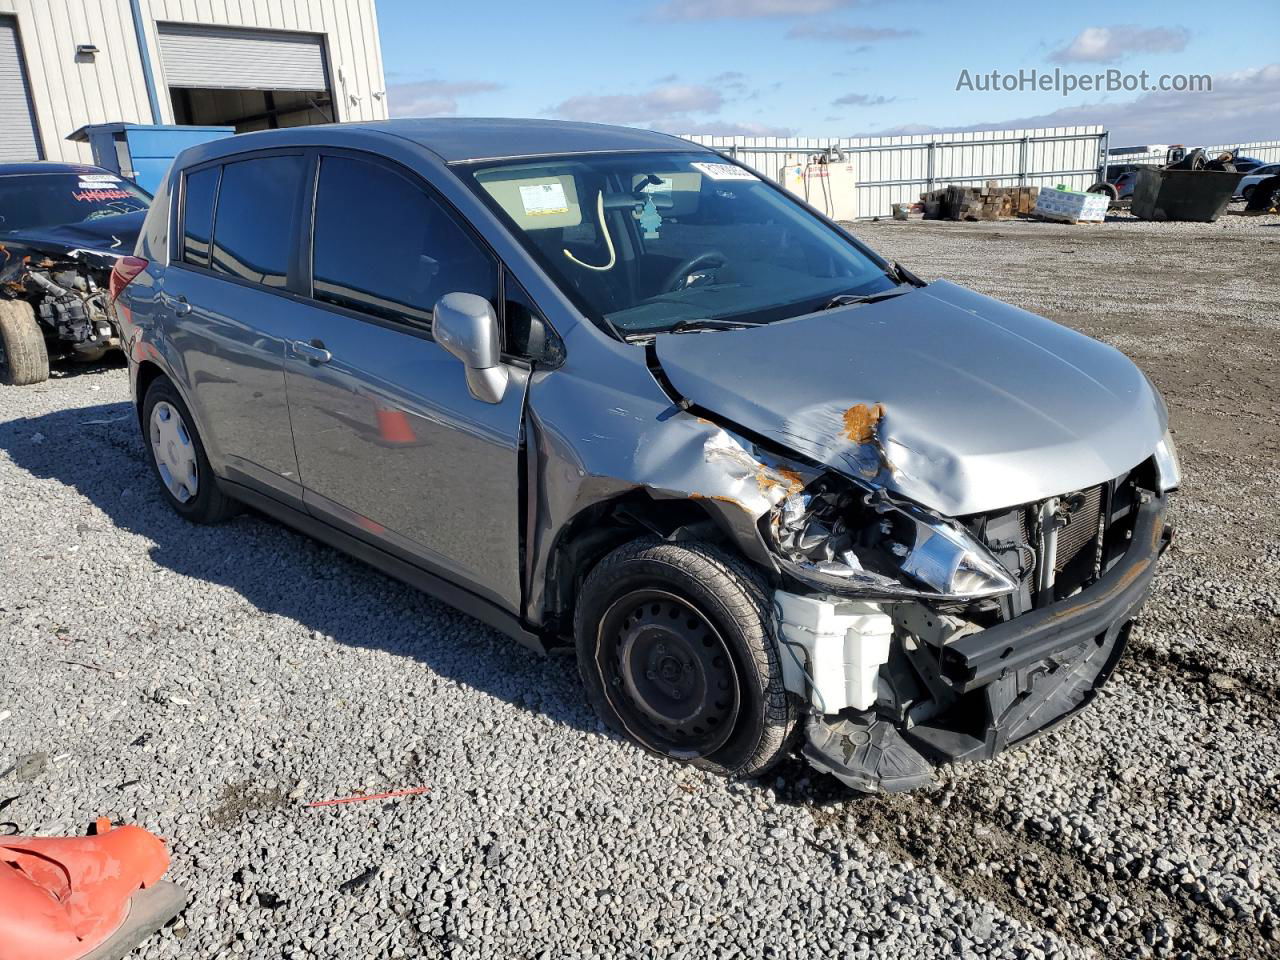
62, 897
394, 425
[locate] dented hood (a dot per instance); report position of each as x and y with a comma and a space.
114, 236
958, 401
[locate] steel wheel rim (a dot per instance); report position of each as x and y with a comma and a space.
174, 452
668, 674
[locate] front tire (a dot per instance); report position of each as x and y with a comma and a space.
178, 459
676, 648
24, 358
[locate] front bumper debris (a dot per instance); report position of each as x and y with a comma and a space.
1013, 681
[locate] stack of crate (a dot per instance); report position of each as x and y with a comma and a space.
987, 202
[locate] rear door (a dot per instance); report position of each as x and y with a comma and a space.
232, 307
391, 446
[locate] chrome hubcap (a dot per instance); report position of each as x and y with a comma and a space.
174, 452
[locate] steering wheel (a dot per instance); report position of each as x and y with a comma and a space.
676, 279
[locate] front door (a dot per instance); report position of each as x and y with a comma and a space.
391, 445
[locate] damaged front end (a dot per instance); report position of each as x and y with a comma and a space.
69, 293
917, 639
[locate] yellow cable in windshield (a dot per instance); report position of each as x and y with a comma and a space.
608, 240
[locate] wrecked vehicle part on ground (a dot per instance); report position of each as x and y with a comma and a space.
766, 483
63, 228
69, 294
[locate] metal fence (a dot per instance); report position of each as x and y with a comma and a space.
1267, 151
891, 170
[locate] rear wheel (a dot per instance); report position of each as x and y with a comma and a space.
178, 458
675, 646
1247, 193
24, 359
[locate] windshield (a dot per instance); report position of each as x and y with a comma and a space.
54, 199
646, 242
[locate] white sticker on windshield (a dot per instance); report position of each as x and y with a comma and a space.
544, 199
98, 178
723, 171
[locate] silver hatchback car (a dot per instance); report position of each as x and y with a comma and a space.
604, 388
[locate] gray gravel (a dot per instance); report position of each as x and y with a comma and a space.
207, 683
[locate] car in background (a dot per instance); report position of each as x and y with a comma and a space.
611, 391
1124, 184
1247, 164
1246, 186
63, 226
1119, 183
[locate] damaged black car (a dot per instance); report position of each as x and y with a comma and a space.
63, 229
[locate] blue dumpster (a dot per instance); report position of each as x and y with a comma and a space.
142, 152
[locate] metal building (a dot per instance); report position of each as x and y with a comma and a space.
251, 64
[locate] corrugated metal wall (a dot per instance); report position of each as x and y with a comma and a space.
68, 92
893, 170
19, 139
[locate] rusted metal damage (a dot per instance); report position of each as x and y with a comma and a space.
861, 421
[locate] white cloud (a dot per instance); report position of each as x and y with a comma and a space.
726, 128
427, 98
748, 9
842, 33
664, 102
1244, 106
1112, 44
862, 100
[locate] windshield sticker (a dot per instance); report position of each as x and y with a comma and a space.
98, 178
94, 194
723, 171
544, 199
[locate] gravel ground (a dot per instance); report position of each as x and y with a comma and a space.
207, 683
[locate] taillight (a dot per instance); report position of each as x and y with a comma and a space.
122, 274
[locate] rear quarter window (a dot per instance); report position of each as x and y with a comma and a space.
197, 216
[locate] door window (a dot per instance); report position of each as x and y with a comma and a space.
197, 215
254, 229
385, 247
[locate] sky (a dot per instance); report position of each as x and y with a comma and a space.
832, 68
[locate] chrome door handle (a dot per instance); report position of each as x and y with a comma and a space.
177, 304
313, 352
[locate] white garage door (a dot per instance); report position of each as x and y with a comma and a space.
18, 140
221, 58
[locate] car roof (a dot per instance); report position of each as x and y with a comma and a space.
458, 139
461, 139
47, 166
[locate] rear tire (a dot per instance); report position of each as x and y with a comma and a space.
24, 358
177, 457
676, 648
1247, 193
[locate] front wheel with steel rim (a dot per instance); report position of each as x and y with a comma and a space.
675, 646
178, 456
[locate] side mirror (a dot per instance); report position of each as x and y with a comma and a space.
467, 326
